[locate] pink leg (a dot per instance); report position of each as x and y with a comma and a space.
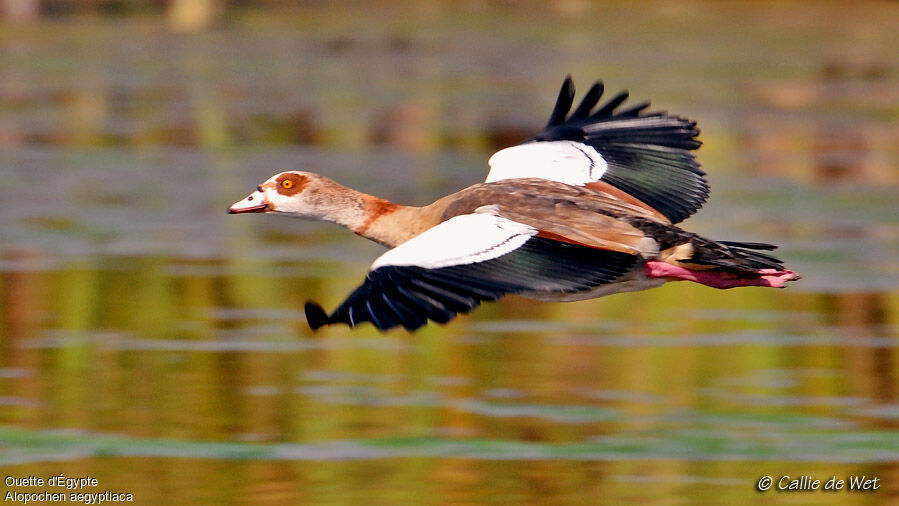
719, 278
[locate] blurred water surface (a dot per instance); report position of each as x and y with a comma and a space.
153, 342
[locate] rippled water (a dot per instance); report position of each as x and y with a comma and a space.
153, 342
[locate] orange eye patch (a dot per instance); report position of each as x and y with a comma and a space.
291, 184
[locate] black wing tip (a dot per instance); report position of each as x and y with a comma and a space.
316, 317
678, 132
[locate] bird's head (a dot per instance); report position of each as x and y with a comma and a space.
292, 192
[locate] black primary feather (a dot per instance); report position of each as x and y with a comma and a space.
316, 317
563, 103
648, 153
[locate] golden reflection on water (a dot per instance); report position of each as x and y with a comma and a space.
660, 390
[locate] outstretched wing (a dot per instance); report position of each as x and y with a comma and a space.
645, 154
454, 266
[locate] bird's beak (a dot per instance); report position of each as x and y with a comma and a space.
254, 203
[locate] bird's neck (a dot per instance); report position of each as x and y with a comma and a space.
374, 218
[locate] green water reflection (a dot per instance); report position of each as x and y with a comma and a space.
151, 341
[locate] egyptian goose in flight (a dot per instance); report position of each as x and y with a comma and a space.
585, 208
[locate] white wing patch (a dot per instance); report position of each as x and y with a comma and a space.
466, 239
567, 162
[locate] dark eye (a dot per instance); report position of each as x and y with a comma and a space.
250, 197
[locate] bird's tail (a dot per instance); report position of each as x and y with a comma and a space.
721, 264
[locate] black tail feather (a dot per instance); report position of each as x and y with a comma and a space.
741, 256
750, 245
